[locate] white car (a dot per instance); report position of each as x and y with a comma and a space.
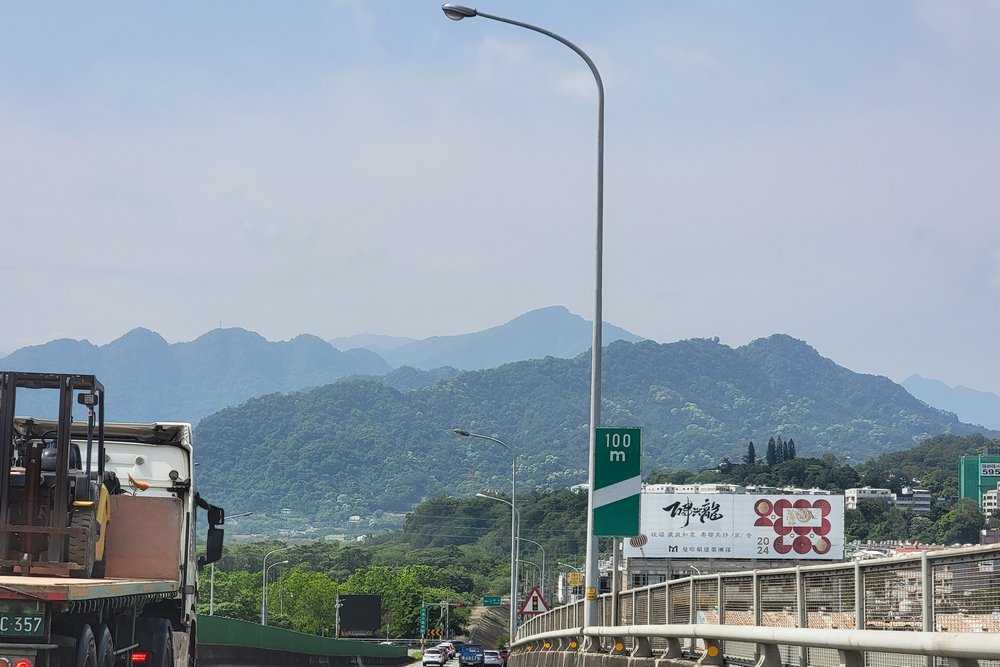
492, 659
448, 649
435, 656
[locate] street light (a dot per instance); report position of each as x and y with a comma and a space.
211, 586
537, 567
263, 585
542, 587
514, 522
515, 530
457, 13
269, 568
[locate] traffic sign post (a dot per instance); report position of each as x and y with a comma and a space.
617, 481
491, 601
423, 621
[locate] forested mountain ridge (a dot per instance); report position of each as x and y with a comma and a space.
359, 447
149, 379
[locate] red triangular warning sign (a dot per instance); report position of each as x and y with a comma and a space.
534, 603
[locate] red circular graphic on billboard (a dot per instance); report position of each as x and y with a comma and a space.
823, 506
802, 530
802, 503
824, 529
781, 505
802, 544
822, 545
780, 528
638, 541
762, 521
763, 507
781, 547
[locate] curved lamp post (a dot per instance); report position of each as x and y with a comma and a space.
269, 568
457, 13
263, 585
542, 587
515, 528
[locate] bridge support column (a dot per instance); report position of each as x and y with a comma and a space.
642, 648
769, 654
851, 658
673, 648
965, 662
712, 654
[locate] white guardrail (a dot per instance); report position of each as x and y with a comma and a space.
934, 608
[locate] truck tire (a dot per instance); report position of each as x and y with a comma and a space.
154, 636
86, 648
82, 545
105, 648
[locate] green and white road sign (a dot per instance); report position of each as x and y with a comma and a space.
423, 621
491, 601
617, 481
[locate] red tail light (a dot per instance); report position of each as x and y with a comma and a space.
140, 656
22, 662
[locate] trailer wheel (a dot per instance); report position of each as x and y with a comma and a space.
86, 648
154, 636
82, 545
105, 649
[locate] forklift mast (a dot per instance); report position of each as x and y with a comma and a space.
39, 501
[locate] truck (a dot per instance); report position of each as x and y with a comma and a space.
98, 558
471, 654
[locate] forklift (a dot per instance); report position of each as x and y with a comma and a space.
54, 499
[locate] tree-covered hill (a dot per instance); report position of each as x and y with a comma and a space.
361, 448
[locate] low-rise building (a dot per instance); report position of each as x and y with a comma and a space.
917, 500
853, 496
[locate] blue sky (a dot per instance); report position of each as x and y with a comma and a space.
826, 170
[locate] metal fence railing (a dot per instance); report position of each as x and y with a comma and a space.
947, 591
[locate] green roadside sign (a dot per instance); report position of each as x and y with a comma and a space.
491, 601
617, 481
423, 621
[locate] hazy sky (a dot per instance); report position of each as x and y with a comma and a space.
827, 170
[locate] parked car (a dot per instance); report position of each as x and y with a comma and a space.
435, 656
492, 658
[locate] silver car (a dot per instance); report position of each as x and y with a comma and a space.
492, 659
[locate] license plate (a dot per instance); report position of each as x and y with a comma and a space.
22, 625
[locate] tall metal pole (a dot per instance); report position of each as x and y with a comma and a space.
456, 13
542, 587
515, 522
263, 585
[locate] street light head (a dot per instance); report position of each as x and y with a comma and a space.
460, 431
457, 12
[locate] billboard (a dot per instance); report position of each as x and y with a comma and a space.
728, 525
360, 615
989, 469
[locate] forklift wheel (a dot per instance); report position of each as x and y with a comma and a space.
82, 545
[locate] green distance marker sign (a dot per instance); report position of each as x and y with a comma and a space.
617, 481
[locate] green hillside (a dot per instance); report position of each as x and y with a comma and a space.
361, 448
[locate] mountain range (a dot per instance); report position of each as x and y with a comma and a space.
149, 379
975, 407
359, 446
545, 332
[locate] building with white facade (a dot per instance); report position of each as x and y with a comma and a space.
853, 496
